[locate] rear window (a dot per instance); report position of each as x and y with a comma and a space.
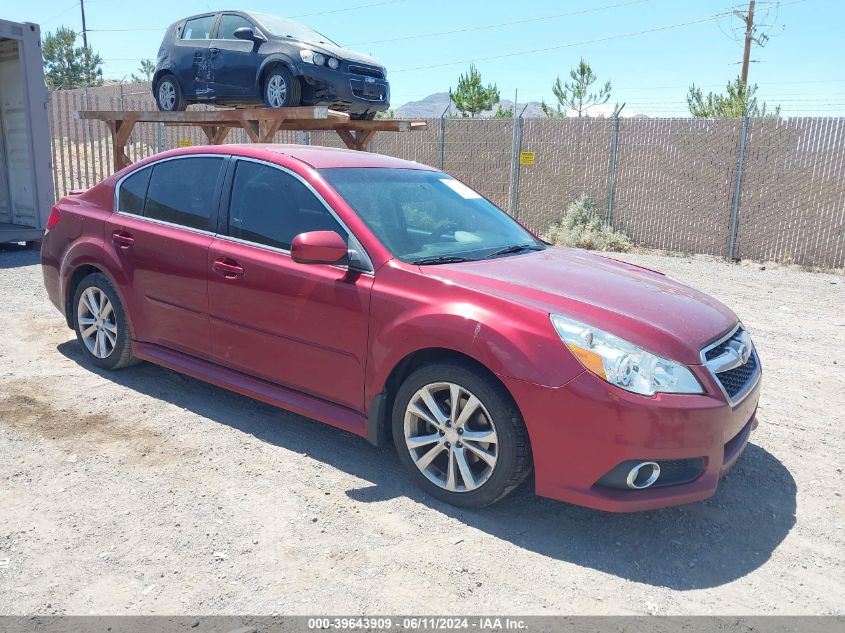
133, 190
181, 191
198, 28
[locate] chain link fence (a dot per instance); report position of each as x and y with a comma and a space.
762, 189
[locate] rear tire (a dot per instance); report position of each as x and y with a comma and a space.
168, 95
281, 89
100, 323
478, 457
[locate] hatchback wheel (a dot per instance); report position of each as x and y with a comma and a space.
281, 90
169, 96
100, 323
460, 435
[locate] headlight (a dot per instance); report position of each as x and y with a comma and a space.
333, 63
307, 56
622, 363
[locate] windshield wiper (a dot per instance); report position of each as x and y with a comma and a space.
441, 259
516, 248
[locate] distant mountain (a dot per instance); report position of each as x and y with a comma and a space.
434, 105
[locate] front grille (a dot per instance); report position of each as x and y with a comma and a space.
719, 349
367, 71
735, 380
371, 91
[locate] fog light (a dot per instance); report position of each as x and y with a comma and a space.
333, 63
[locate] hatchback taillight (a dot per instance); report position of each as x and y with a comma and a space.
54, 218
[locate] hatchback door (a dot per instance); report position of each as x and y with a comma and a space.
160, 234
191, 56
301, 326
233, 62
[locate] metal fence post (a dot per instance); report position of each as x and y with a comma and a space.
443, 137
120, 86
303, 137
611, 176
740, 164
518, 123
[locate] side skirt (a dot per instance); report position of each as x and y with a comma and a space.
267, 392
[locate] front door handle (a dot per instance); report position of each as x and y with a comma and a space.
123, 239
230, 269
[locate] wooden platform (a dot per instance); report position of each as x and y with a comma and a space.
260, 124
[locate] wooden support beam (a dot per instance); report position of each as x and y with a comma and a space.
260, 125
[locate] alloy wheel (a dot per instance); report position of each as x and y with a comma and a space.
167, 95
277, 91
451, 437
97, 323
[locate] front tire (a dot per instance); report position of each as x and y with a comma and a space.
100, 323
281, 90
460, 435
168, 95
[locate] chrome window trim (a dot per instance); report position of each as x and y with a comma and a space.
316, 194
370, 269
709, 365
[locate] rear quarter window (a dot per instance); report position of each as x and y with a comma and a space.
133, 191
182, 191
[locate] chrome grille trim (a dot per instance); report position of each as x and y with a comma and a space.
731, 357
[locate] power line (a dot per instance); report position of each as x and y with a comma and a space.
499, 24
582, 43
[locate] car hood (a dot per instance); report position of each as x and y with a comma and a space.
343, 53
640, 305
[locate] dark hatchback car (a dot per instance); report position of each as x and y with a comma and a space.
239, 58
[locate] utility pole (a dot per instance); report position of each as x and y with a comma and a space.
748, 18
85, 30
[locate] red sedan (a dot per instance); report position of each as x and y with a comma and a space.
391, 300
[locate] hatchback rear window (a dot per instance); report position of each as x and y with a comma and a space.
181, 191
198, 28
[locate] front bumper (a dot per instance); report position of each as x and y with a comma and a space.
357, 94
582, 430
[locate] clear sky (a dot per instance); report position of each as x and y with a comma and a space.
801, 67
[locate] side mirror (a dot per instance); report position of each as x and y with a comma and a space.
246, 33
318, 247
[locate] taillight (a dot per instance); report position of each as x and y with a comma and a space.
54, 218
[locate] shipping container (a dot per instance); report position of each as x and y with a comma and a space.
26, 185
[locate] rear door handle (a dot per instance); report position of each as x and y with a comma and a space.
214, 51
123, 239
228, 268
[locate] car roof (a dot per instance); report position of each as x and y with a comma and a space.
316, 156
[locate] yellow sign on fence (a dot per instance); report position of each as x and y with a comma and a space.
526, 158
184, 142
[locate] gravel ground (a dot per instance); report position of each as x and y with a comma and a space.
143, 491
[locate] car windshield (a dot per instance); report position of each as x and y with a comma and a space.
428, 217
280, 27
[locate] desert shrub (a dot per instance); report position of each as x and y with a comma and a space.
581, 226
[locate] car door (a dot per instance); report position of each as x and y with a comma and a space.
233, 62
303, 326
160, 235
191, 56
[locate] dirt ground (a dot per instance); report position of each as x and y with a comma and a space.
146, 492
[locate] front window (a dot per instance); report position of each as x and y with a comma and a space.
280, 27
230, 23
428, 217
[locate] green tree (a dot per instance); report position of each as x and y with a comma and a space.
737, 100
471, 97
386, 114
147, 69
68, 66
576, 95
504, 113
